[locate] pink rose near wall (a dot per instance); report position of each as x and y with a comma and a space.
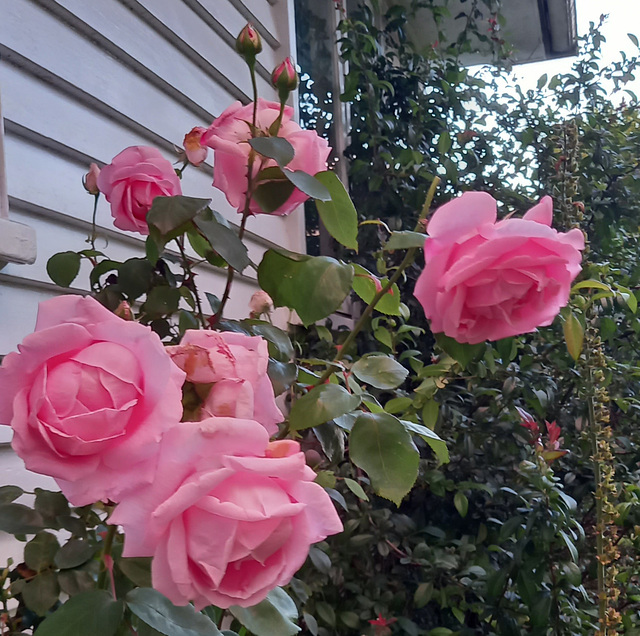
232, 517
229, 135
130, 183
89, 396
487, 280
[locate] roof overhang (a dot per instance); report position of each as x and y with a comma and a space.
537, 29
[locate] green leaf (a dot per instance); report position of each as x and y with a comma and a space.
444, 143
40, 551
320, 405
438, 445
280, 346
10, 493
573, 551
381, 445
63, 268
161, 301
430, 414
159, 612
137, 569
315, 286
356, 489
382, 372
74, 553
634, 39
331, 438
338, 215
222, 238
73, 582
134, 277
462, 353
41, 593
573, 334
51, 505
273, 616
18, 519
405, 240
271, 195
590, 284
282, 375
171, 214
365, 288
461, 503
308, 184
274, 148
93, 612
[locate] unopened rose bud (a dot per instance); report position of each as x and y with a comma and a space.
90, 180
249, 43
260, 303
195, 151
313, 458
123, 311
285, 77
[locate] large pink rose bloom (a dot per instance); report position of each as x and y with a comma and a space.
132, 181
236, 367
228, 136
230, 516
485, 280
88, 397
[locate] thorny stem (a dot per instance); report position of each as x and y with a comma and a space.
106, 551
190, 278
246, 213
406, 261
92, 238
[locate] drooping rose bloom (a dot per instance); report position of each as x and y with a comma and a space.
88, 397
133, 179
195, 151
236, 367
228, 136
231, 517
485, 280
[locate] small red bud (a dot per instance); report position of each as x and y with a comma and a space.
285, 77
249, 43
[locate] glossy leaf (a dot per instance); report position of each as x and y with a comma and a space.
313, 286
168, 214
222, 238
405, 240
41, 593
159, 612
308, 184
356, 489
18, 519
10, 493
40, 551
382, 372
463, 353
381, 445
365, 287
438, 445
573, 334
93, 612
63, 268
74, 553
338, 215
320, 405
276, 148
275, 615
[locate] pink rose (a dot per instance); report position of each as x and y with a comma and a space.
236, 367
228, 136
485, 280
232, 516
195, 151
90, 180
132, 181
88, 397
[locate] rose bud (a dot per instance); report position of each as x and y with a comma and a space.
90, 180
285, 77
260, 303
195, 151
123, 310
249, 43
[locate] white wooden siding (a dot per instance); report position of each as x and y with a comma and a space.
83, 80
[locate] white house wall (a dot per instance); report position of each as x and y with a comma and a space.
83, 79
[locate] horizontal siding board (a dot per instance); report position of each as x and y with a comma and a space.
196, 41
86, 131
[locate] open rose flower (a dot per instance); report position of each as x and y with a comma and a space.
485, 280
88, 397
132, 181
235, 365
228, 136
231, 517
